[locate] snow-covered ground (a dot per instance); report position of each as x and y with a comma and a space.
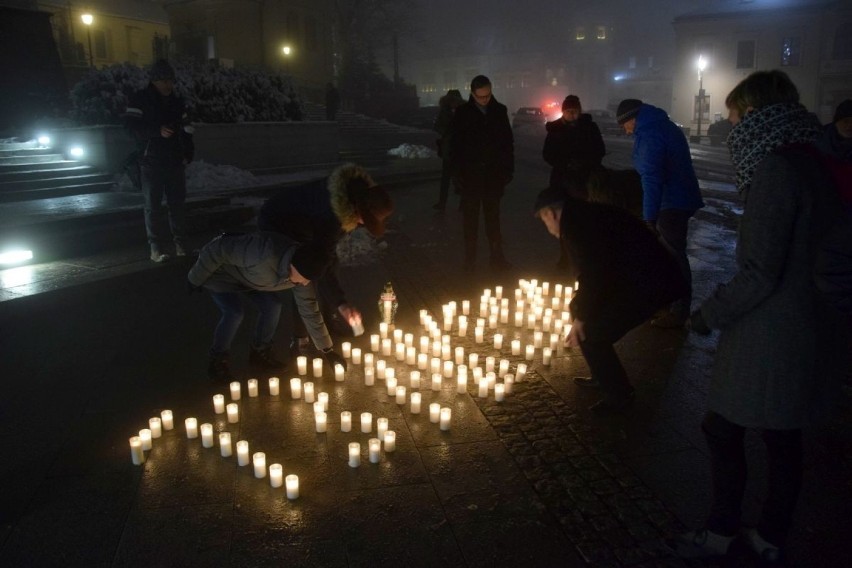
412, 151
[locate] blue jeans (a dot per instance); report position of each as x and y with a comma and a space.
231, 305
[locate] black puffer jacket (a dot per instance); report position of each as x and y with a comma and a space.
573, 150
146, 112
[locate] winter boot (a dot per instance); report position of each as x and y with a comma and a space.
218, 369
157, 255
262, 360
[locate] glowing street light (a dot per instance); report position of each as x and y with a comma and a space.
702, 65
286, 50
87, 21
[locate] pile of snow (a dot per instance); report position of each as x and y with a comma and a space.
412, 151
359, 248
203, 177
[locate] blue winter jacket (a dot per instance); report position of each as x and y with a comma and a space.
661, 156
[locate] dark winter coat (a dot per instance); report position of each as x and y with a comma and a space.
146, 113
661, 156
573, 150
624, 273
481, 149
837, 152
318, 211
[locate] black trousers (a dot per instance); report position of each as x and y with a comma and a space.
470, 207
606, 367
673, 225
730, 470
445, 182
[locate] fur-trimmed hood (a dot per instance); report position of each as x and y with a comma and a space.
338, 190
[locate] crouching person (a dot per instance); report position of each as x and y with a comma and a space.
624, 275
256, 266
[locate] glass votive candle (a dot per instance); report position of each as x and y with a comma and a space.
508, 383
436, 381
498, 341
233, 413
390, 441
459, 356
276, 475
520, 372
354, 454
374, 446
422, 361
321, 419
489, 364
242, 453
292, 488
546, 355
415, 402
466, 307
338, 373
137, 455
191, 425
317, 365
356, 355
225, 444
530, 353
346, 349
434, 412
251, 387
366, 422
504, 368
410, 356
374, 343
387, 347
219, 403
145, 438
461, 383
383, 330
473, 360
155, 425
345, 421
323, 398
273, 386
537, 339
400, 395
302, 365
236, 390
296, 388
168, 419
308, 392
479, 334
408, 339
381, 427
448, 369
206, 435
369, 376
390, 383
399, 352
445, 418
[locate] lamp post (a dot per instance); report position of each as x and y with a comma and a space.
702, 65
87, 21
286, 51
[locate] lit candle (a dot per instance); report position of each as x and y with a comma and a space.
356, 356
346, 349
390, 383
390, 441
374, 343
415, 403
191, 425
292, 486
322, 398
531, 321
383, 329
338, 372
145, 438
233, 413
369, 360
521, 371
483, 309
400, 395
459, 359
434, 412
436, 349
546, 322
489, 364
369, 376
354, 454
276, 475
345, 421
436, 381
498, 341
473, 360
537, 339
296, 388
155, 425
483, 388
422, 361
508, 383
168, 420
424, 344
477, 375
317, 367
273, 386
435, 365
408, 339
375, 450
492, 380
504, 368
321, 419
242, 453
448, 369
461, 383
530, 352
557, 290
308, 392
498, 292
381, 427
251, 386
259, 461
387, 347
519, 319
410, 355
478, 333
302, 364
219, 403
225, 444
448, 322
545, 288
499, 392
207, 435
366, 422
492, 322
546, 354
399, 351
518, 293
236, 391
504, 315
397, 336
446, 417
381, 366
136, 453
466, 307
462, 326
554, 341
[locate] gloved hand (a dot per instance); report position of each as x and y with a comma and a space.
192, 288
697, 324
333, 358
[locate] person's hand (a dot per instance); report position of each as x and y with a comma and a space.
349, 313
192, 288
697, 324
652, 226
577, 334
166, 132
333, 358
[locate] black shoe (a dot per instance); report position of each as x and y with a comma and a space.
262, 360
607, 406
219, 369
587, 382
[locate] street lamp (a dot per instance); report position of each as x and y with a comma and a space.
87, 21
287, 51
702, 65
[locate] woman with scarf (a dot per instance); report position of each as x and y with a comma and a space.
780, 344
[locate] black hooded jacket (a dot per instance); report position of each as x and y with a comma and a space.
573, 149
146, 112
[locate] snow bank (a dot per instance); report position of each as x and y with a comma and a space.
202, 177
412, 151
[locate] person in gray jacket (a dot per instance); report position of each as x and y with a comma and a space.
256, 266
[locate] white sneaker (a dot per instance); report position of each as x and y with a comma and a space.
179, 250
157, 256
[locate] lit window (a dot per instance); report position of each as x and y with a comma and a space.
791, 51
581, 34
601, 32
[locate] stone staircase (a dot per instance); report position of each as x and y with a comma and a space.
29, 172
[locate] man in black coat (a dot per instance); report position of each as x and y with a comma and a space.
625, 275
573, 146
482, 161
156, 117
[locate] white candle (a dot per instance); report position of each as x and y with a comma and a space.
207, 435
422, 361
519, 319
374, 343
338, 372
483, 388
191, 425
554, 341
399, 351
390, 383
273, 386
383, 329
369, 376
346, 349
390, 441
354, 454
546, 322
489, 364
397, 336
557, 290
473, 360
345, 421
492, 321
296, 388
459, 358
137, 456
446, 417
530, 353
308, 392
145, 439
435, 365
317, 363
156, 426
518, 293
537, 339
387, 347
219, 403
251, 386
168, 419
276, 475
302, 364
424, 344
521, 371
462, 326
448, 369
434, 412
410, 355
531, 321
483, 308
375, 449
545, 288
415, 402
242, 453
356, 355
321, 419
448, 322
477, 375
436, 348
318, 407
236, 390
508, 383
414, 380
366, 422
491, 378
478, 334
400, 395
259, 461
233, 413
446, 352
461, 383
466, 307
498, 341
292, 486
408, 339
381, 427
323, 398
499, 392
436, 381
504, 368
225, 444
546, 354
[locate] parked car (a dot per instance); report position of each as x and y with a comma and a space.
528, 115
605, 119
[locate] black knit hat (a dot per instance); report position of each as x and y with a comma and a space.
571, 101
310, 260
627, 109
161, 70
844, 110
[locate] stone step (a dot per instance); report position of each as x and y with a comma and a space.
7, 196
55, 182
29, 160
10, 176
27, 166
6, 152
